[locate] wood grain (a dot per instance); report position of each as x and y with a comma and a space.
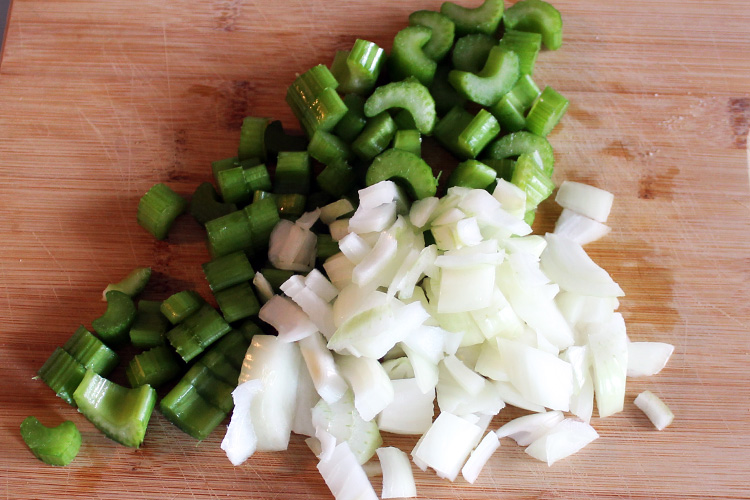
99, 100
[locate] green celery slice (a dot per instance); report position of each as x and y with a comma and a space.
497, 78
228, 270
406, 168
154, 367
52, 445
150, 325
482, 19
536, 16
408, 58
410, 95
472, 174
91, 352
180, 305
205, 204
158, 209
62, 373
443, 32
113, 326
376, 135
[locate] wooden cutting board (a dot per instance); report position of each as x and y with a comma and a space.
101, 99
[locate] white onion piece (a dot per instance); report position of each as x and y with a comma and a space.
372, 388
287, 318
333, 211
469, 355
582, 404
488, 211
467, 378
587, 200
490, 361
486, 252
342, 420
398, 368
318, 310
240, 440
345, 477
511, 197
444, 237
373, 219
292, 247
479, 457
608, 344
647, 358
407, 283
322, 368
425, 371
411, 410
655, 409
376, 261
580, 228
378, 194
454, 399
263, 287
354, 300
566, 438
467, 232
568, 265
339, 229
540, 377
422, 210
578, 358
527, 429
466, 289
526, 267
447, 444
429, 341
276, 364
511, 396
354, 247
450, 216
407, 262
307, 397
578, 309
308, 219
292, 286
318, 283
339, 270
532, 244
398, 479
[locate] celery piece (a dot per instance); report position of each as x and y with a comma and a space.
529, 176
232, 185
192, 414
443, 32
132, 284
207, 325
328, 148
443, 93
262, 217
326, 247
291, 205
482, 19
237, 302
205, 204
546, 112
315, 101
227, 271
180, 305
219, 366
154, 367
536, 16
234, 344
408, 140
252, 138
406, 168
62, 373
352, 123
511, 109
503, 167
221, 165
229, 233
52, 445
276, 276
472, 174
465, 135
497, 78
91, 352
257, 178
113, 326
293, 173
357, 70
518, 143
526, 46
337, 178
211, 388
122, 414
277, 140
407, 56
408, 94
150, 325
471, 51
375, 137
158, 209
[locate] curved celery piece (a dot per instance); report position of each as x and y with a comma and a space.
471, 51
546, 112
52, 445
443, 32
482, 19
526, 45
497, 78
466, 135
158, 209
114, 324
410, 95
523, 142
472, 174
357, 70
375, 137
122, 414
408, 57
411, 170
511, 109
132, 284
536, 16
205, 204
408, 140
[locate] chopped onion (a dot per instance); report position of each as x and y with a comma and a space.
292, 246
308, 219
307, 398
275, 364
333, 211
263, 287
580, 228
587, 200
410, 411
447, 444
608, 343
378, 194
339, 270
318, 283
339, 229
287, 318
344, 475
376, 261
466, 289
467, 378
527, 429
398, 368
342, 420
326, 378
370, 220
647, 358
240, 441
398, 479
479, 457
422, 210
564, 439
655, 409
372, 388
354, 247
511, 197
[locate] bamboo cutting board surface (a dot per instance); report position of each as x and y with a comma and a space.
101, 99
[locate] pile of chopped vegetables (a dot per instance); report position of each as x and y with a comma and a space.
349, 299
